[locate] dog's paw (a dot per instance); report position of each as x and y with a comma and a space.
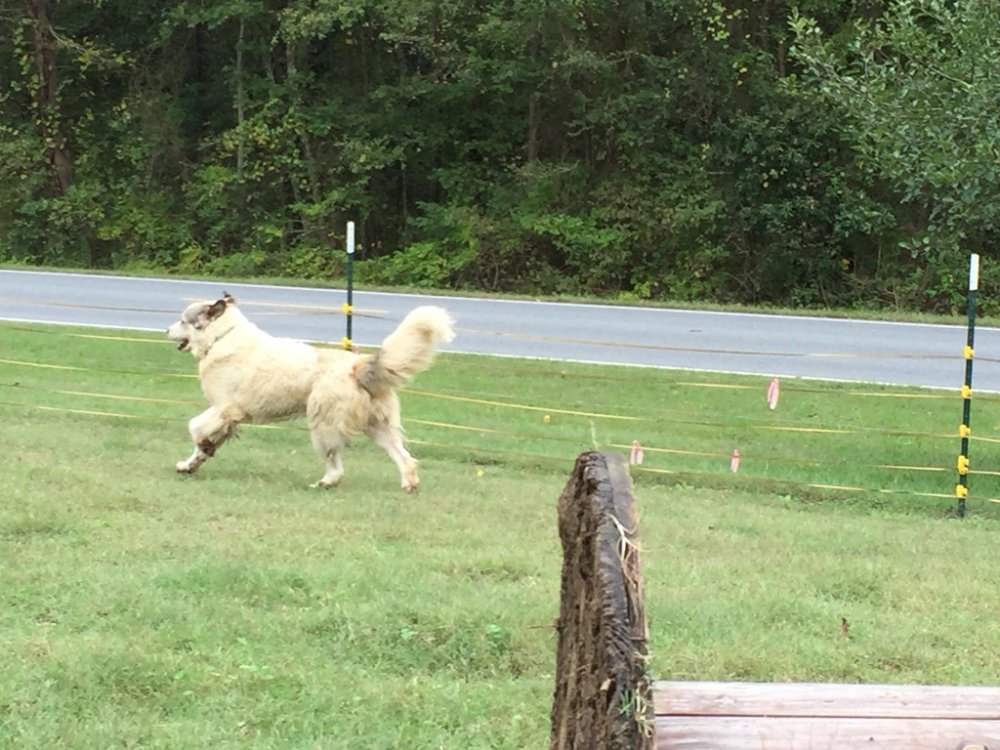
185, 467
411, 488
324, 485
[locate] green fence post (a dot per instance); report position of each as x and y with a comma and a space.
962, 488
348, 307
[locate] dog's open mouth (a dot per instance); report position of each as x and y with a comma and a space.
184, 345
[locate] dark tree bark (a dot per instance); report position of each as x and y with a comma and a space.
47, 93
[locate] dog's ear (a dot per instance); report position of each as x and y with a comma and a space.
228, 298
215, 309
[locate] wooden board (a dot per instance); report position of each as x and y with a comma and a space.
741, 733
787, 716
826, 699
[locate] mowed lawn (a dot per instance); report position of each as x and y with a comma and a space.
242, 609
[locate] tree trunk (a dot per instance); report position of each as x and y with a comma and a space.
240, 104
534, 122
47, 93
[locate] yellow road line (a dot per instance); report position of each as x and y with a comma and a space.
85, 412
338, 309
121, 338
620, 344
39, 364
510, 405
819, 430
79, 306
651, 470
725, 386
141, 399
867, 394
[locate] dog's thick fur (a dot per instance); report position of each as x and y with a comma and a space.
250, 376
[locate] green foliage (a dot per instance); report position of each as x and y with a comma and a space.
23, 214
672, 149
422, 264
444, 259
593, 256
918, 94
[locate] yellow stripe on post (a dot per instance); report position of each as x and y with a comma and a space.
963, 465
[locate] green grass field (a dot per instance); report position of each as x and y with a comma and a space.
242, 609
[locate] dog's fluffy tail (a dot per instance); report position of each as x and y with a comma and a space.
408, 350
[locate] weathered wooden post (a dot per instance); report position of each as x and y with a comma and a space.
604, 699
603, 696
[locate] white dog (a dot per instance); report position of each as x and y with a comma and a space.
250, 376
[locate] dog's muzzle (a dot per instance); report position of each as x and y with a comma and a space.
176, 333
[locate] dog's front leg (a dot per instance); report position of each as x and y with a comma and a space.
208, 430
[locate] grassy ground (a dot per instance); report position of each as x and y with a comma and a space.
239, 608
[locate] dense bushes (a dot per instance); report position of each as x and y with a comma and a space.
672, 149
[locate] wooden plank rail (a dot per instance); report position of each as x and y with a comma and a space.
787, 716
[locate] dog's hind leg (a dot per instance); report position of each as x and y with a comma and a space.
329, 445
389, 437
209, 430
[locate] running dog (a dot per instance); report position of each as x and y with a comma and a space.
247, 375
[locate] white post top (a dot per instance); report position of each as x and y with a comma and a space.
350, 238
974, 272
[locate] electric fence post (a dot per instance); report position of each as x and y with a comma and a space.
962, 488
348, 306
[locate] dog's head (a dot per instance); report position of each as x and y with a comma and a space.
201, 325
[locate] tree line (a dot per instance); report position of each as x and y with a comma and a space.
819, 153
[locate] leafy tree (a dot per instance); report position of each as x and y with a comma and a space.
918, 88
654, 149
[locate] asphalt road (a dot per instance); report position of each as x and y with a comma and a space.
771, 345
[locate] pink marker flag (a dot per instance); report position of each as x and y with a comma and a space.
734, 462
772, 394
636, 455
